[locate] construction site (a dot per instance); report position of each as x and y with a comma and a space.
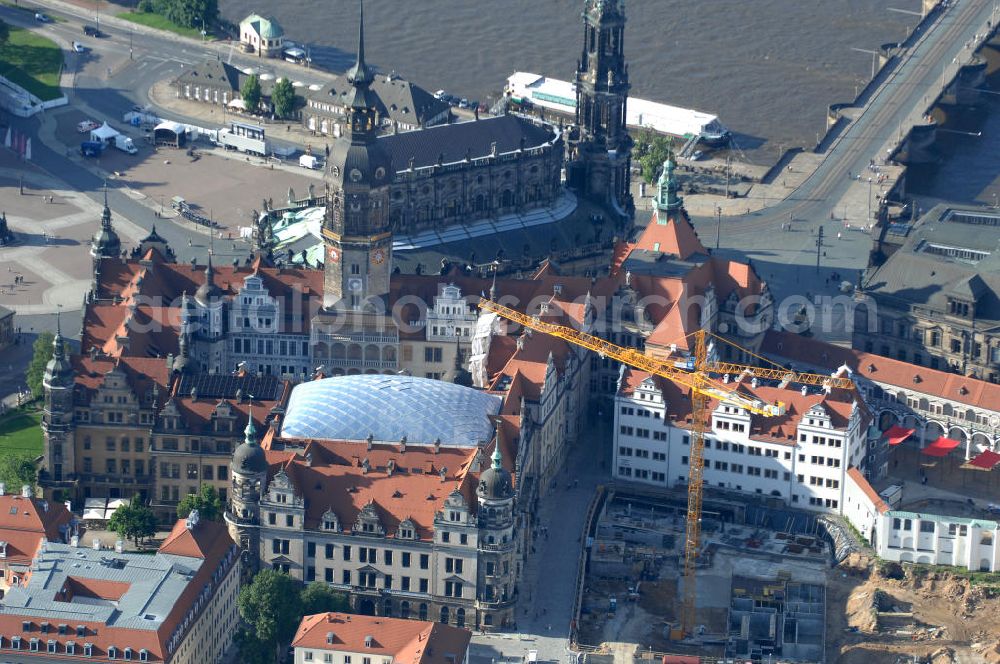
773, 585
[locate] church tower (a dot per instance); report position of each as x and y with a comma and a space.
603, 147
57, 417
356, 229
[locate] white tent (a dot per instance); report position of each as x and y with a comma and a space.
103, 133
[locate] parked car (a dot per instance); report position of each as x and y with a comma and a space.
87, 125
464, 103
79, 48
92, 31
42, 18
439, 94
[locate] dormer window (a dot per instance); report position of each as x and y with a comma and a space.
958, 308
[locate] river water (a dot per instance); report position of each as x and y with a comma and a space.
767, 68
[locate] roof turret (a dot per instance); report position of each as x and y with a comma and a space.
249, 457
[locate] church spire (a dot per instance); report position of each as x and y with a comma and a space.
250, 433
106, 213
360, 74
497, 459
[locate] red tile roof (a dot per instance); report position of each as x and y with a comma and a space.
953, 387
400, 485
674, 236
405, 641
25, 521
867, 489
778, 429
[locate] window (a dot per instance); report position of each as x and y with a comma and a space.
425, 561
388, 557
346, 577
423, 585
406, 559
289, 520
329, 551
347, 552
927, 526
404, 583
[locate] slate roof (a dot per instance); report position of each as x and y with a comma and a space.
454, 142
400, 100
212, 73
918, 274
119, 599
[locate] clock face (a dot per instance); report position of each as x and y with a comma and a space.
355, 175
379, 173
378, 256
333, 254
354, 285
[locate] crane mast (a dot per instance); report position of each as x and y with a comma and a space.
697, 374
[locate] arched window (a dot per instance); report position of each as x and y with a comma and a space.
444, 615
422, 611
460, 618
404, 609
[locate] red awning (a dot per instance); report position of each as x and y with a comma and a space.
985, 460
940, 447
897, 434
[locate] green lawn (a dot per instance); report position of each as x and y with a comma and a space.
159, 22
33, 62
20, 433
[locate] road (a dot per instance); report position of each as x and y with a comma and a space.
788, 256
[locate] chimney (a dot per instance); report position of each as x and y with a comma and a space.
520, 342
369, 440
25, 491
74, 541
96, 544
805, 390
45, 506
725, 379
119, 546
437, 445
402, 444
443, 473
753, 382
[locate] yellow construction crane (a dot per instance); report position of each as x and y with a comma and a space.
696, 373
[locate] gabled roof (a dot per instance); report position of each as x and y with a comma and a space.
671, 234
396, 98
405, 641
855, 475
838, 405
956, 388
24, 522
411, 484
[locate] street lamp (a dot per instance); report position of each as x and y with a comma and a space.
718, 228
869, 201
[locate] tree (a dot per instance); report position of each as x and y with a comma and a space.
320, 598
16, 470
253, 650
251, 93
36, 370
207, 502
651, 151
283, 98
272, 606
190, 13
134, 521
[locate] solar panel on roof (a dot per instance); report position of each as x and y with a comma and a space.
220, 386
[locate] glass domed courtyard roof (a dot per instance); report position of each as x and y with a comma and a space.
388, 408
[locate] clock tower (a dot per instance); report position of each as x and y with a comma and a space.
356, 228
